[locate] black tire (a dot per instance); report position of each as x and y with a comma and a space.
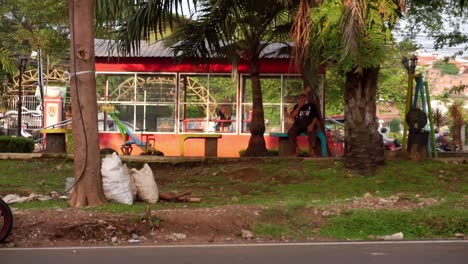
6, 220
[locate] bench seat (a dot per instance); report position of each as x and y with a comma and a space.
286, 149
211, 143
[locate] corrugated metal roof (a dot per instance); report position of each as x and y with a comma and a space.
106, 48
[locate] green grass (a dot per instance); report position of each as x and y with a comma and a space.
287, 220
417, 224
38, 176
290, 188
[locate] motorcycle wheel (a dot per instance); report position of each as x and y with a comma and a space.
6, 220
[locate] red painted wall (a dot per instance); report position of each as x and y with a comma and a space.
267, 66
169, 144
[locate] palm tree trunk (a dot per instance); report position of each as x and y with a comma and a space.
364, 147
88, 190
257, 145
311, 79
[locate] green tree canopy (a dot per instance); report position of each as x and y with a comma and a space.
26, 25
446, 67
444, 21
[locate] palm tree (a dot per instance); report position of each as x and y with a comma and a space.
236, 30
440, 119
457, 113
352, 35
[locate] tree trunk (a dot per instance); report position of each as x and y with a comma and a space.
364, 147
257, 145
88, 190
311, 79
457, 139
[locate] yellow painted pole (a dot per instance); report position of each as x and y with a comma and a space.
409, 97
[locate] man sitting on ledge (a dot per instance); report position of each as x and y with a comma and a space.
306, 120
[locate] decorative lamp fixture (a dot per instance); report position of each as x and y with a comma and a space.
21, 62
404, 61
413, 62
410, 64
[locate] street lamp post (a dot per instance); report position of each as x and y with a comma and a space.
21, 62
410, 66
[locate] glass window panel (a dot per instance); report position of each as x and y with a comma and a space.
124, 114
271, 89
155, 118
273, 122
223, 97
101, 86
246, 118
120, 88
292, 87
224, 119
156, 88
208, 103
222, 89
194, 89
279, 96
247, 90
193, 118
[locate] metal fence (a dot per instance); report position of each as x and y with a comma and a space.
31, 113
30, 102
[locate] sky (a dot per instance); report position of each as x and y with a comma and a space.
427, 44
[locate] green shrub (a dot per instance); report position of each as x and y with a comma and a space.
394, 135
16, 144
70, 145
447, 68
395, 125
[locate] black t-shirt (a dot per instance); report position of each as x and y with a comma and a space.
306, 114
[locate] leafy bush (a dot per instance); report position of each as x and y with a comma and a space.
447, 68
397, 135
16, 144
395, 125
70, 145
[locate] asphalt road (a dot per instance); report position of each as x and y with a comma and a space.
446, 252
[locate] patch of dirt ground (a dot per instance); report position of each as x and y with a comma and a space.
225, 224
73, 227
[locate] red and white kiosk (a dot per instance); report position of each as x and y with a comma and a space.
53, 111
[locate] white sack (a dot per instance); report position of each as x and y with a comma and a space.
147, 190
116, 180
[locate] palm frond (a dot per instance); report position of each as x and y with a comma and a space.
136, 20
456, 111
230, 29
7, 62
353, 26
300, 32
